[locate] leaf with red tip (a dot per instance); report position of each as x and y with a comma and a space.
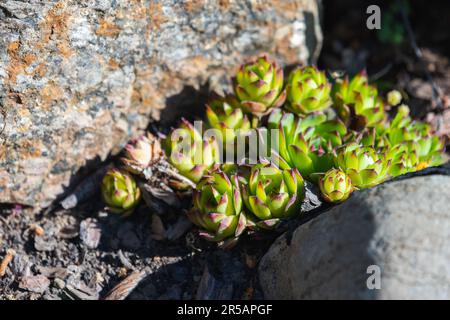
241, 225
279, 100
253, 107
259, 208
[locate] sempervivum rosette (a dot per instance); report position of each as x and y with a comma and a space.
225, 115
365, 166
120, 192
357, 103
272, 194
428, 148
190, 153
218, 207
308, 91
259, 86
335, 185
306, 143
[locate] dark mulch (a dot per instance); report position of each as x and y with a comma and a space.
80, 267
85, 252
350, 46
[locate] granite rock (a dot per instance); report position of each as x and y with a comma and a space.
78, 78
389, 242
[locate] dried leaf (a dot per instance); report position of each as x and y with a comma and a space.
158, 231
212, 289
167, 195
154, 204
178, 229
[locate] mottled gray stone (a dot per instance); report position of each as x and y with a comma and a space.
90, 232
78, 78
403, 227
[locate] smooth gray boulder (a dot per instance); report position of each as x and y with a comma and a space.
78, 78
401, 229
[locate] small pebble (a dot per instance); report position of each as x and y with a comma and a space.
90, 233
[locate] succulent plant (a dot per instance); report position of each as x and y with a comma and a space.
365, 166
402, 128
306, 143
357, 103
428, 149
225, 115
409, 145
308, 91
369, 137
190, 153
341, 149
141, 153
335, 185
430, 152
259, 86
120, 192
218, 207
272, 194
403, 157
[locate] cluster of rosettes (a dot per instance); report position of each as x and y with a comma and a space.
336, 135
225, 205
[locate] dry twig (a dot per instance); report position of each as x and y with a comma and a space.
178, 176
10, 253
